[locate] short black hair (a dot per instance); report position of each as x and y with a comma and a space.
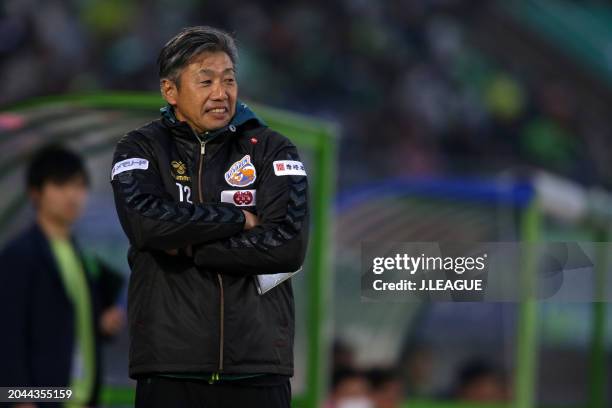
345, 373
476, 369
381, 376
56, 164
190, 42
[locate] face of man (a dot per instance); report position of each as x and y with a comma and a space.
388, 395
206, 94
352, 392
487, 388
61, 203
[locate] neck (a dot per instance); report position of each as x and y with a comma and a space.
182, 118
53, 228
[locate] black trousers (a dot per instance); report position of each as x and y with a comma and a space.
160, 392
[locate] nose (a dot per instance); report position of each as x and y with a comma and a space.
218, 92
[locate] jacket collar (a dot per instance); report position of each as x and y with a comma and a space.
40, 238
41, 246
242, 116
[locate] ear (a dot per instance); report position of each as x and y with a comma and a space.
169, 91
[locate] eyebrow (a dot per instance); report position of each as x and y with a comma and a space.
211, 72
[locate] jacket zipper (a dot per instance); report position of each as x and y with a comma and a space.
202, 153
221, 325
215, 376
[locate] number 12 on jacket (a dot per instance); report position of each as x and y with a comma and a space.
184, 193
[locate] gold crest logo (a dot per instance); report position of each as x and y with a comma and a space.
178, 170
179, 166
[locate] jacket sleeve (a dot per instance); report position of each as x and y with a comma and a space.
279, 243
149, 215
14, 304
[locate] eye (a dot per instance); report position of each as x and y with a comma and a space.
206, 82
229, 80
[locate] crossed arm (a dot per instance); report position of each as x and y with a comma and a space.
218, 236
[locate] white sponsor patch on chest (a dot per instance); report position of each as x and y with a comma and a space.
129, 164
240, 198
288, 168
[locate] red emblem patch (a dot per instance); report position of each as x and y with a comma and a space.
243, 197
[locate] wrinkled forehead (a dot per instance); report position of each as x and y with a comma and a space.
211, 64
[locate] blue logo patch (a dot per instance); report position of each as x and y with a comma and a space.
241, 173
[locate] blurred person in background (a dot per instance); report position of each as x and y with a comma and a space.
417, 370
387, 388
343, 355
481, 381
349, 389
56, 302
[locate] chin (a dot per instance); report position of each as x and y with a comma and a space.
71, 218
214, 125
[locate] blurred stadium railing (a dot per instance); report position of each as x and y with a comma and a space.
535, 208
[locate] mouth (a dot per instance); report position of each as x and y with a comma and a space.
218, 110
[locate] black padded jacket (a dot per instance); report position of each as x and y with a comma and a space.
199, 311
